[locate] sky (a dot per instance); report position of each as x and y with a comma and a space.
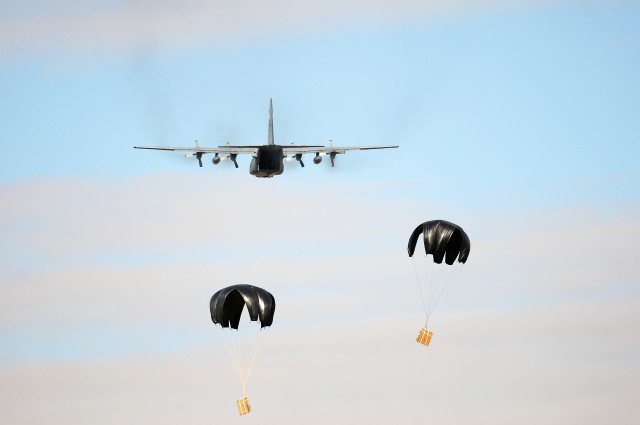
517, 120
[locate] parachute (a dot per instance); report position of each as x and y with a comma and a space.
226, 307
440, 238
227, 304
444, 241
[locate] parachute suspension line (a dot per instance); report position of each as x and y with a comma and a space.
445, 284
415, 271
249, 370
256, 348
234, 361
238, 366
436, 285
434, 280
243, 372
237, 362
430, 284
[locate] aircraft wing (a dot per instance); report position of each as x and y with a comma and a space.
293, 150
232, 150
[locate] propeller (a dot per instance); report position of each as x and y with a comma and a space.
332, 155
199, 156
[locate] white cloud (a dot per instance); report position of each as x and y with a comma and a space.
555, 366
141, 25
520, 337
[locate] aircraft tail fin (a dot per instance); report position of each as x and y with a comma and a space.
270, 138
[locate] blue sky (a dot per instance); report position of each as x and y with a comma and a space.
516, 99
516, 120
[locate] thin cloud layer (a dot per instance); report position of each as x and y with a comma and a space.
113, 326
170, 241
476, 370
74, 26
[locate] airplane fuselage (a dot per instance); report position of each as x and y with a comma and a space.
268, 162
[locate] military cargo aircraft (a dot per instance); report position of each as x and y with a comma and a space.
267, 160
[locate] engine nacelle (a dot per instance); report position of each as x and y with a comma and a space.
216, 160
317, 159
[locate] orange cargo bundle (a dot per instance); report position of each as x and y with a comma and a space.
424, 336
243, 406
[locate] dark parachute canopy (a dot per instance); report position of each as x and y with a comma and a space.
226, 305
442, 239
